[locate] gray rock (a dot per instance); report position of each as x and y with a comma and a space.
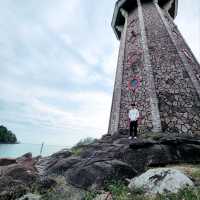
11, 189
64, 153
15, 180
53, 163
115, 156
63, 165
93, 175
7, 161
161, 180
62, 190
18, 172
30, 196
45, 183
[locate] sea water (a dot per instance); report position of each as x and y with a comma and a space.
16, 150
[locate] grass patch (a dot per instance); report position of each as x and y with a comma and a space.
78, 148
184, 194
196, 174
118, 190
90, 195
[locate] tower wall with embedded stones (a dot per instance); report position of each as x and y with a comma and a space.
177, 96
157, 71
133, 69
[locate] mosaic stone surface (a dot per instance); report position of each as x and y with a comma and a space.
157, 60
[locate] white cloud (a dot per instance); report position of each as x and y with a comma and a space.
110, 62
188, 21
91, 115
61, 14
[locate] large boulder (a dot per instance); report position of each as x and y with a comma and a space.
7, 161
11, 189
15, 181
64, 153
161, 180
28, 162
63, 165
18, 172
93, 175
167, 149
30, 196
52, 164
62, 190
17, 176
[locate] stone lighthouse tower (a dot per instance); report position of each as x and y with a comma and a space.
156, 69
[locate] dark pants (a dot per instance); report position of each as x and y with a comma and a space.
133, 128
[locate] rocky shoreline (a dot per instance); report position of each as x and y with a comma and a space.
110, 158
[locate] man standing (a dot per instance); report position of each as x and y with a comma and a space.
133, 116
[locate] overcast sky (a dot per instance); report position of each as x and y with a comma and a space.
58, 61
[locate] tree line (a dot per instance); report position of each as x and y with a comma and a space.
6, 136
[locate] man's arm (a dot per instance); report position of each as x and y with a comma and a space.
137, 114
129, 114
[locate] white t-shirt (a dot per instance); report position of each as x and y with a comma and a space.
133, 114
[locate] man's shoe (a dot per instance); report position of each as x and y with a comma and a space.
135, 138
130, 138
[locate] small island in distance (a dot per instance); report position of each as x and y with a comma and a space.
6, 136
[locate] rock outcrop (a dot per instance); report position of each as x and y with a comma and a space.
109, 158
117, 157
17, 176
7, 161
161, 180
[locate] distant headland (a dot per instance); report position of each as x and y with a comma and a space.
6, 136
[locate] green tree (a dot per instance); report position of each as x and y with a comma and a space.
6, 136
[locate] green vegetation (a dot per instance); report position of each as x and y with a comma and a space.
77, 149
186, 194
120, 191
7, 136
90, 195
153, 136
195, 174
85, 141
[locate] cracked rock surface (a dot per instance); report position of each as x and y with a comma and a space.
161, 180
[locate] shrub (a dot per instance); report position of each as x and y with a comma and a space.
196, 174
77, 149
120, 191
85, 141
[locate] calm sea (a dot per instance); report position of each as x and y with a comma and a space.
16, 150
